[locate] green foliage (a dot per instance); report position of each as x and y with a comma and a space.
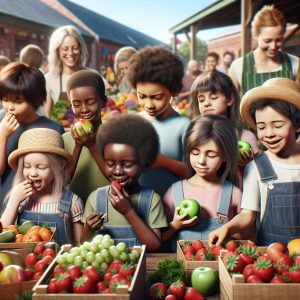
184, 49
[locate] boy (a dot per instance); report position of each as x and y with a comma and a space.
128, 144
156, 74
271, 181
32, 55
22, 91
86, 93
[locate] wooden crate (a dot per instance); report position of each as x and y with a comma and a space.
135, 291
235, 288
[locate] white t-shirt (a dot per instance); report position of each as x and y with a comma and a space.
237, 66
255, 192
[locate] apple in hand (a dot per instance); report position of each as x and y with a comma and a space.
205, 281
243, 146
86, 125
189, 206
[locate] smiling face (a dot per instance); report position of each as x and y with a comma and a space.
154, 99
37, 168
275, 131
270, 40
86, 103
213, 103
206, 160
121, 164
69, 52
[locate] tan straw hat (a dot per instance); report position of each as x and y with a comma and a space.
280, 89
39, 140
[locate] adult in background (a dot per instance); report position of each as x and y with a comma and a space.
267, 60
227, 59
67, 54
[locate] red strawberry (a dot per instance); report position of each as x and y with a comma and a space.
247, 258
117, 185
158, 291
189, 256
216, 250
253, 279
177, 289
197, 245
263, 268
234, 263
188, 248
231, 246
193, 294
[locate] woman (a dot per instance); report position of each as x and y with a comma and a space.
267, 60
67, 54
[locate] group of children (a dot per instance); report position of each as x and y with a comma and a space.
129, 174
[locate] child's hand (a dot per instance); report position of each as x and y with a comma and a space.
87, 140
120, 200
8, 125
22, 191
245, 158
95, 221
217, 236
179, 222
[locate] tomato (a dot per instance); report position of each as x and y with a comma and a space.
30, 259
39, 248
48, 252
83, 285
31, 238
193, 294
275, 250
93, 274
177, 289
254, 279
64, 283
45, 234
34, 229
19, 238
294, 247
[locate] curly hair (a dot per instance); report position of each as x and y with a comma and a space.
156, 65
133, 130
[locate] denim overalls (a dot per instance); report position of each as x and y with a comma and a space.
281, 220
61, 221
201, 230
124, 233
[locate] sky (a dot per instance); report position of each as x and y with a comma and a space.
152, 17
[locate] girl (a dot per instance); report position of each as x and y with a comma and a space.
213, 93
38, 194
210, 150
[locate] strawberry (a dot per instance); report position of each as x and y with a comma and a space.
158, 291
216, 250
231, 246
189, 256
117, 185
263, 268
197, 245
247, 258
248, 253
177, 289
234, 263
187, 247
193, 294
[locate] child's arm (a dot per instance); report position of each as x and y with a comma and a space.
77, 232
48, 104
21, 192
240, 222
8, 126
93, 222
177, 224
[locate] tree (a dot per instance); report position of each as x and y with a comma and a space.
201, 50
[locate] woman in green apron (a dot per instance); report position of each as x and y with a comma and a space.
267, 60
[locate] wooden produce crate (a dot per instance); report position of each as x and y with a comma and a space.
235, 288
135, 291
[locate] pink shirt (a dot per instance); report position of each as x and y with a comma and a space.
207, 198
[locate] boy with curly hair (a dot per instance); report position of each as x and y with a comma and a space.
156, 75
127, 144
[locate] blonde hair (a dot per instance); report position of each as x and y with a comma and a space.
57, 37
268, 16
123, 54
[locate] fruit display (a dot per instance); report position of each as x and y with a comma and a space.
182, 107
62, 113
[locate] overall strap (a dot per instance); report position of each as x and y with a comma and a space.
65, 202
144, 203
225, 199
264, 167
101, 200
285, 61
177, 192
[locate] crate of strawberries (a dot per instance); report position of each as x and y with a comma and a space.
271, 272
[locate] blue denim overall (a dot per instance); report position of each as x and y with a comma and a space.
124, 233
201, 230
281, 220
61, 221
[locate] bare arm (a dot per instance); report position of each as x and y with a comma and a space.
48, 104
233, 77
77, 232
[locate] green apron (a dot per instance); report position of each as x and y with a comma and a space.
251, 79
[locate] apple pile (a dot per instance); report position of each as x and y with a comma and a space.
98, 266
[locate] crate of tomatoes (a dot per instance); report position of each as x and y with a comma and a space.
271, 272
97, 269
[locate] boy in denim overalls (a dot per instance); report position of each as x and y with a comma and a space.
127, 144
271, 182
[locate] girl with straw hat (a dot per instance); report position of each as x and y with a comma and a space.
271, 181
38, 192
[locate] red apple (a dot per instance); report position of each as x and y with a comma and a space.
275, 250
86, 125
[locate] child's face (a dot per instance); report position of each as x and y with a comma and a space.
275, 130
154, 99
69, 51
86, 103
206, 160
18, 106
213, 103
210, 63
121, 163
37, 168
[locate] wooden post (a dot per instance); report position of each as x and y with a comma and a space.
193, 42
174, 46
246, 15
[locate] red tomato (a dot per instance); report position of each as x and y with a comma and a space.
74, 272
83, 285
93, 274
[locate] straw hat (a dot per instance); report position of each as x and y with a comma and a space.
280, 89
39, 140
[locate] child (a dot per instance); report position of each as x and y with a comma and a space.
86, 93
213, 92
211, 61
271, 181
211, 158
22, 91
156, 74
32, 55
38, 192
128, 144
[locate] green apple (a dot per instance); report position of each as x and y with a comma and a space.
86, 125
190, 207
205, 281
243, 146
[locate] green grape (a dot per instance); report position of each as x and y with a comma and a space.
90, 257
98, 257
83, 253
106, 243
94, 247
114, 251
103, 266
70, 258
123, 256
78, 260
86, 245
121, 247
96, 264
75, 251
61, 259
85, 264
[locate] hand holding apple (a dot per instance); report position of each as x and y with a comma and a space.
180, 222
244, 146
191, 207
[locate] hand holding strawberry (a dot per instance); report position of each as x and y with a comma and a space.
94, 221
120, 201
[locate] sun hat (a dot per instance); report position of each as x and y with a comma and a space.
39, 140
280, 89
